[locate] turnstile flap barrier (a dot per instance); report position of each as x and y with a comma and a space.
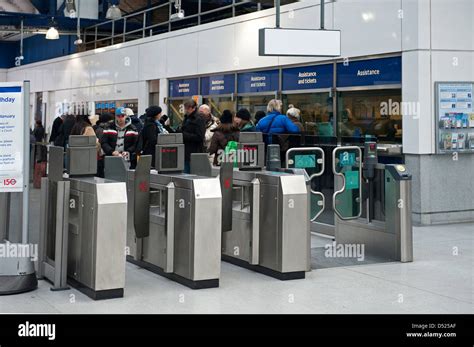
115, 169
310, 159
347, 169
142, 197
226, 176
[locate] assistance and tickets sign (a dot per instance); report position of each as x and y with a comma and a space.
12, 137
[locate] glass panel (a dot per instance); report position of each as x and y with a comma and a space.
316, 111
254, 103
176, 112
348, 202
370, 112
219, 104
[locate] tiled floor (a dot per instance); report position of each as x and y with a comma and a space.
440, 280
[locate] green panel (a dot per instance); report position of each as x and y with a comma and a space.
352, 180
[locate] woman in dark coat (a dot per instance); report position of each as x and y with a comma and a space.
224, 133
149, 134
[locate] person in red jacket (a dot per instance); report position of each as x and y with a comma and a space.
120, 139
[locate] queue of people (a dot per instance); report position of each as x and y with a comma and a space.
129, 136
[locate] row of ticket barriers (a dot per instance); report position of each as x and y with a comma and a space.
249, 211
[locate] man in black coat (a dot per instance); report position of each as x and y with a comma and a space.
55, 128
194, 130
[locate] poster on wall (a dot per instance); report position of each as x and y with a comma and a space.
12, 137
455, 117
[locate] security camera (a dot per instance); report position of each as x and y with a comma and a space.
177, 16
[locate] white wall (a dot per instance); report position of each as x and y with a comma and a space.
438, 45
118, 72
3, 75
421, 29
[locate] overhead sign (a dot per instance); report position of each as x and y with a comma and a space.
308, 77
183, 88
12, 137
370, 72
299, 42
258, 82
218, 84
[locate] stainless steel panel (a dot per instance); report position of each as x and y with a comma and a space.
56, 163
255, 225
406, 228
295, 223
236, 243
183, 244
169, 236
82, 160
81, 141
74, 226
87, 235
373, 236
207, 214
111, 200
154, 245
270, 227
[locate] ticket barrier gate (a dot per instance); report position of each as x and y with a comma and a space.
270, 226
372, 201
82, 224
174, 226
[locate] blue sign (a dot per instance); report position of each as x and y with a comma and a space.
370, 72
183, 87
218, 85
308, 77
257, 82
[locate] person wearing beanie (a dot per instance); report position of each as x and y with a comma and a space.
104, 122
149, 134
243, 122
225, 132
134, 118
226, 117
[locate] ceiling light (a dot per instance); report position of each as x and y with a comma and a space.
113, 13
52, 34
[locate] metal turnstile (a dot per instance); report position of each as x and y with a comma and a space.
83, 224
175, 219
269, 227
371, 202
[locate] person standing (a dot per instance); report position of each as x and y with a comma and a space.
65, 129
211, 123
137, 123
275, 122
55, 128
105, 120
225, 132
120, 139
294, 114
148, 137
193, 130
243, 122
